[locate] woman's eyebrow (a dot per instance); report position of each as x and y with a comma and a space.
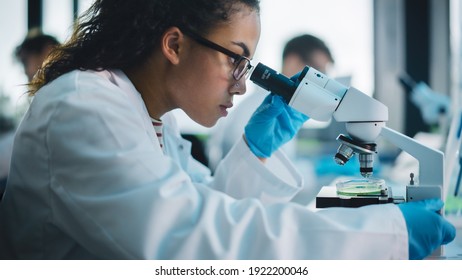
244, 47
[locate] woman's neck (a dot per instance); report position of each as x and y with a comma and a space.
150, 83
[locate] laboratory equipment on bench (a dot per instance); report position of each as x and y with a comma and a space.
435, 108
321, 98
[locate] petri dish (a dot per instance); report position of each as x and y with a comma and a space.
363, 186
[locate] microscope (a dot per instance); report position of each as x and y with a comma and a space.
321, 98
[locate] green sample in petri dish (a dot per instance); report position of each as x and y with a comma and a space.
363, 186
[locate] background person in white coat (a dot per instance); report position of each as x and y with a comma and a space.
99, 170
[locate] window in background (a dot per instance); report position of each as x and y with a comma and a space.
84, 5
58, 18
13, 27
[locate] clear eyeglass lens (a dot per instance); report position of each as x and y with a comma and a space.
249, 70
242, 68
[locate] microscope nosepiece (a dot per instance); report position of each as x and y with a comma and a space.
365, 153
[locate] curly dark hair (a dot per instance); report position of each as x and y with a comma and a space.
120, 33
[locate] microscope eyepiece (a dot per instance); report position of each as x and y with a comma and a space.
274, 82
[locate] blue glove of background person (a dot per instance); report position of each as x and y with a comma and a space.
427, 229
272, 125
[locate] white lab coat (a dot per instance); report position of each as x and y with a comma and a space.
89, 180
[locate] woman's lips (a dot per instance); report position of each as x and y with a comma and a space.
224, 108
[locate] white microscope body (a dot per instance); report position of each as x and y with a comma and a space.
321, 98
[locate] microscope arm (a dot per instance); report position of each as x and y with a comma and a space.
431, 166
431, 161
322, 98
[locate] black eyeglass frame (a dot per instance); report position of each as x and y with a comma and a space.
238, 72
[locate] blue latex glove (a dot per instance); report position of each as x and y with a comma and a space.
272, 125
427, 229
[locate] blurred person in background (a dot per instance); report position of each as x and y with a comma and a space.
33, 51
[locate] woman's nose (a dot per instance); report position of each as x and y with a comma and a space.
240, 87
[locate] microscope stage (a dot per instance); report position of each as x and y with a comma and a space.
328, 197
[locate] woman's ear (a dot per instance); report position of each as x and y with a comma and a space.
172, 43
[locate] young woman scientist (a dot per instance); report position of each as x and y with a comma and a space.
99, 170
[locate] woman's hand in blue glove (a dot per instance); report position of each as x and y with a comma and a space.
272, 125
427, 229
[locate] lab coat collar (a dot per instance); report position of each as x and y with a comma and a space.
174, 145
120, 79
